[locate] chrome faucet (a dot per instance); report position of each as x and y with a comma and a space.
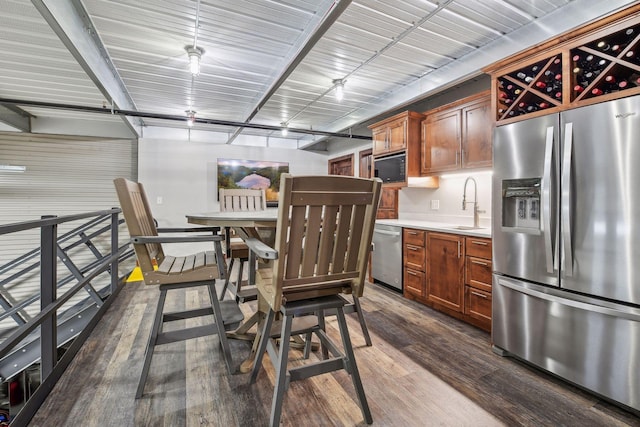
476, 209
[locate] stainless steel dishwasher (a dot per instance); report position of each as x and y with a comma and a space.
386, 261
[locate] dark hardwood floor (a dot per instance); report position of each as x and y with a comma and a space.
424, 369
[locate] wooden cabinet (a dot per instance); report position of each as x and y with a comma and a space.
477, 306
441, 141
477, 134
396, 133
449, 272
445, 263
457, 136
591, 64
414, 263
388, 205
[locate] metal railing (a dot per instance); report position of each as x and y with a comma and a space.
38, 336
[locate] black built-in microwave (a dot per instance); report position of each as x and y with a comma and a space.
390, 168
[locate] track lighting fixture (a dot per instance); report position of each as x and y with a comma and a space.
194, 53
339, 85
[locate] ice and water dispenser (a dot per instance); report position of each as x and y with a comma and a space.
521, 204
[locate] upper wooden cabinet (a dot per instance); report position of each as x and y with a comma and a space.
396, 133
595, 63
457, 135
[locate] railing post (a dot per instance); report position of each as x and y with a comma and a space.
114, 249
48, 294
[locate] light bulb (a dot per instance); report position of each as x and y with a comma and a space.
195, 53
339, 84
191, 117
284, 129
194, 65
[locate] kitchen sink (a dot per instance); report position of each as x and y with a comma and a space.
466, 227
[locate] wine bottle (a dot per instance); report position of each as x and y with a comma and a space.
540, 85
629, 32
623, 85
578, 88
603, 45
597, 92
558, 95
556, 61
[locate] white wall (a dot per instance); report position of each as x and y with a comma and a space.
183, 174
415, 202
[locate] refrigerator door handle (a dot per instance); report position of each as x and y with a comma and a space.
546, 201
567, 250
623, 312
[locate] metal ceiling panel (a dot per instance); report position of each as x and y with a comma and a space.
36, 65
382, 48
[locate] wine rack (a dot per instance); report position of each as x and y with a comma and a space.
606, 65
597, 62
536, 87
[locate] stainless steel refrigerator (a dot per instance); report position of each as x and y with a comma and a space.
566, 245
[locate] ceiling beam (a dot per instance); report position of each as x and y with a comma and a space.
334, 11
15, 117
72, 24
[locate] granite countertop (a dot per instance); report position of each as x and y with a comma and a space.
437, 226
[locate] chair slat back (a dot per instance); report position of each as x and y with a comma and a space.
139, 220
242, 200
323, 236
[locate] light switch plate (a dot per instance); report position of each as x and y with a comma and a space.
435, 205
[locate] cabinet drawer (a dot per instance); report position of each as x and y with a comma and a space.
478, 247
414, 257
478, 273
414, 237
414, 282
478, 304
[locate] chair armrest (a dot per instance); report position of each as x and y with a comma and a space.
261, 249
177, 239
215, 230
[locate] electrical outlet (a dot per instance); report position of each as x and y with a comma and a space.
159, 200
435, 205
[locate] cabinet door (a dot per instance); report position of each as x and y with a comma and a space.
379, 140
477, 135
441, 142
388, 205
398, 135
445, 262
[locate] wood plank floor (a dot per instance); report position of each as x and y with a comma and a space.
424, 369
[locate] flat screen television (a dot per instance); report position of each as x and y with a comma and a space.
255, 174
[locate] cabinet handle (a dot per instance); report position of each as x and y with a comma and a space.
412, 248
458, 248
411, 273
479, 295
413, 233
480, 263
478, 242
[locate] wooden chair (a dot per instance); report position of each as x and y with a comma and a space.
323, 240
239, 200
200, 269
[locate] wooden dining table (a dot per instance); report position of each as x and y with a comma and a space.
247, 224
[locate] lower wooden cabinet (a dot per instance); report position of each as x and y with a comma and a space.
478, 269
414, 262
449, 272
445, 270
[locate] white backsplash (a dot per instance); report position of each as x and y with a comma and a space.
416, 203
